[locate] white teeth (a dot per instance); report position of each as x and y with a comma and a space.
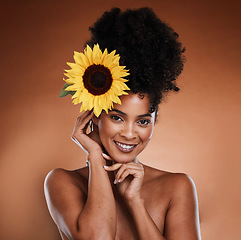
125, 146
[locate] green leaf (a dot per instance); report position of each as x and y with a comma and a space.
64, 92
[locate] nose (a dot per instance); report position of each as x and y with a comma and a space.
128, 131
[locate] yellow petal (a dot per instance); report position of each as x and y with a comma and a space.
84, 95
76, 96
75, 72
97, 109
78, 60
116, 73
74, 87
88, 54
97, 54
103, 102
114, 90
108, 62
73, 80
76, 66
105, 53
116, 99
84, 61
120, 85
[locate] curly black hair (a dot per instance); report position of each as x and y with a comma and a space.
148, 47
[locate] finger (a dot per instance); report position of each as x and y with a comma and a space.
130, 164
127, 172
83, 123
83, 115
82, 118
119, 173
79, 129
135, 170
137, 166
113, 167
123, 176
107, 157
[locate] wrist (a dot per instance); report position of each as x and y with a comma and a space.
96, 157
137, 201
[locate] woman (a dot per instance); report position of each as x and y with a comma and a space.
116, 196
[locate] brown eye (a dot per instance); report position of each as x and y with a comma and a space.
116, 118
144, 122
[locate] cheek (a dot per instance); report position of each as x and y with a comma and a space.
146, 134
106, 130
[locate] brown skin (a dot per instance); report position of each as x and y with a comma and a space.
126, 200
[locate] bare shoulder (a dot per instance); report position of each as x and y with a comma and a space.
183, 213
60, 178
169, 187
64, 186
175, 182
181, 185
177, 192
65, 193
179, 182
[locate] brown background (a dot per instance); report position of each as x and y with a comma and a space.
198, 131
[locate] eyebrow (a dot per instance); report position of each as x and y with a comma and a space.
139, 116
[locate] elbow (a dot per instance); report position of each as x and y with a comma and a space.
93, 236
92, 228
88, 232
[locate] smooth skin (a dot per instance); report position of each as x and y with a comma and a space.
116, 196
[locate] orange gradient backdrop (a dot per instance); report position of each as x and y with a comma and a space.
198, 131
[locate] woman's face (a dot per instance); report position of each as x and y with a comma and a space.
127, 128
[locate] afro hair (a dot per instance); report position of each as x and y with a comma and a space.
148, 47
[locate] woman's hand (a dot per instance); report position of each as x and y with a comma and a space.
128, 177
88, 142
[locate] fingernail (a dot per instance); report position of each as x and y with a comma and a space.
115, 181
104, 155
105, 167
119, 180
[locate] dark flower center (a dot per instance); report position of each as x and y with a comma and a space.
97, 79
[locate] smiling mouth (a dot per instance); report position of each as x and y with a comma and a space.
125, 147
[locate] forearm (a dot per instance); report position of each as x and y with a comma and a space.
146, 228
99, 213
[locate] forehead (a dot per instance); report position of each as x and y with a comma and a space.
137, 104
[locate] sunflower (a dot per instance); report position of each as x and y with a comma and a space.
95, 79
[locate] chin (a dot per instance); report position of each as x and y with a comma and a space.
123, 158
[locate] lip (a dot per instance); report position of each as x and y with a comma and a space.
124, 147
